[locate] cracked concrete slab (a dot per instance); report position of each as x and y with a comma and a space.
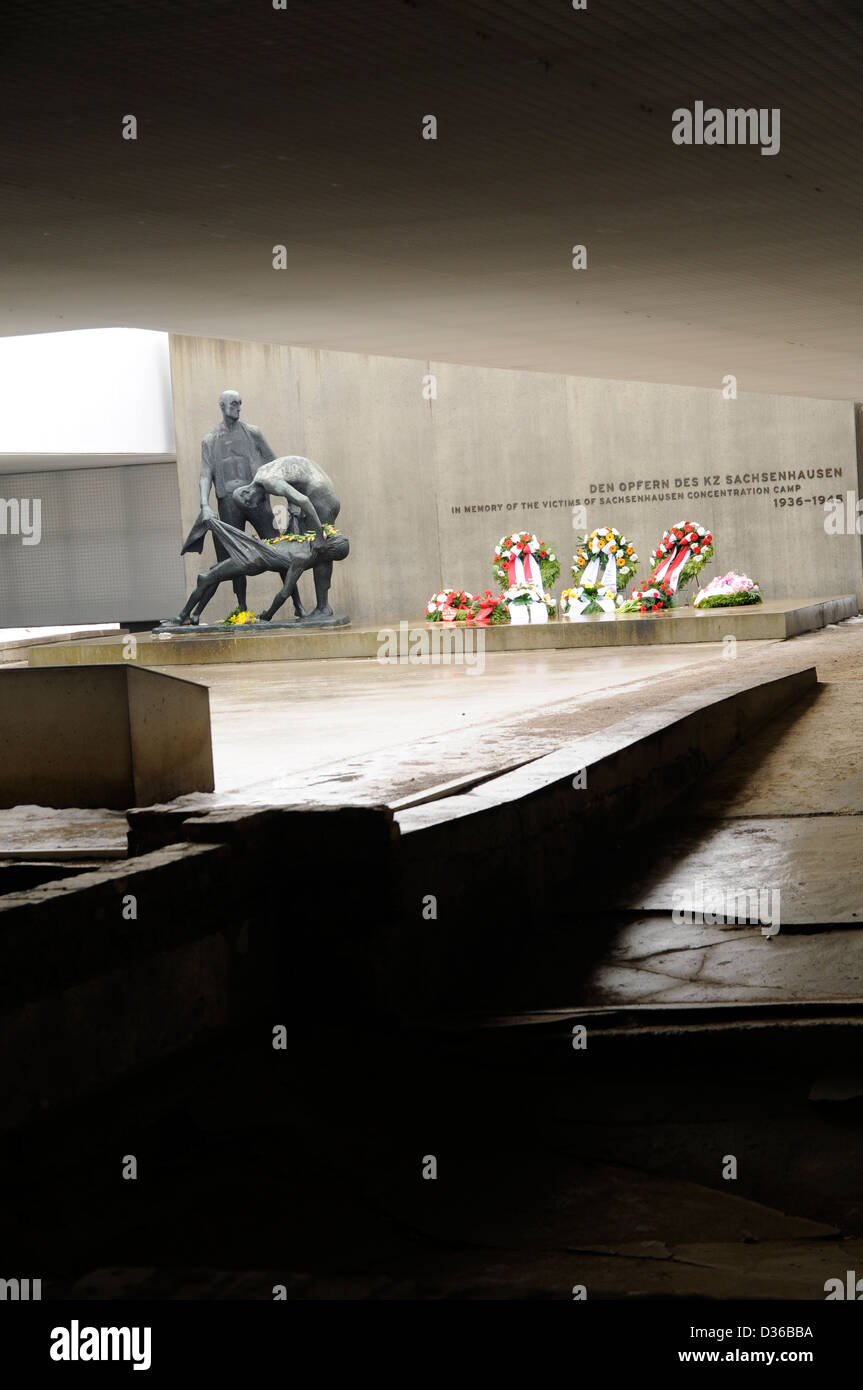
815, 863
657, 961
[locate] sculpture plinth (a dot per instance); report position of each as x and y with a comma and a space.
308, 624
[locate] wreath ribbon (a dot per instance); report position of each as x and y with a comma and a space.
591, 572
519, 570
484, 613
590, 577
670, 569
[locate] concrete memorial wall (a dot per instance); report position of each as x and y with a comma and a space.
435, 462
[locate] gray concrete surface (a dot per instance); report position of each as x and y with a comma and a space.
360, 731
814, 862
653, 960
806, 763
356, 730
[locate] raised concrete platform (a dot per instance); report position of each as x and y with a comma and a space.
15, 643
773, 620
111, 736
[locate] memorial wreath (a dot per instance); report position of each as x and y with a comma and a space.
520, 558
588, 598
728, 591
529, 603
604, 558
681, 554
652, 597
490, 609
450, 606
531, 593
328, 531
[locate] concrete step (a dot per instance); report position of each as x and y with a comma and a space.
786, 1271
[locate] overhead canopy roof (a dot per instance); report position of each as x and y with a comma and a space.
302, 126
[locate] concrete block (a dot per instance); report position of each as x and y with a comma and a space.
109, 735
235, 926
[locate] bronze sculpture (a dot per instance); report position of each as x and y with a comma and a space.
249, 555
231, 454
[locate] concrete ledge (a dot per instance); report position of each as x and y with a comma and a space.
781, 1035
111, 736
116, 968
17, 648
110, 971
498, 857
774, 620
659, 752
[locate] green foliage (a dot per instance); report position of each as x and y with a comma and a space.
728, 600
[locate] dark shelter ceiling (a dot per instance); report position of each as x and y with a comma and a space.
302, 126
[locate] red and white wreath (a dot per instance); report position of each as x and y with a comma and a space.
683, 551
